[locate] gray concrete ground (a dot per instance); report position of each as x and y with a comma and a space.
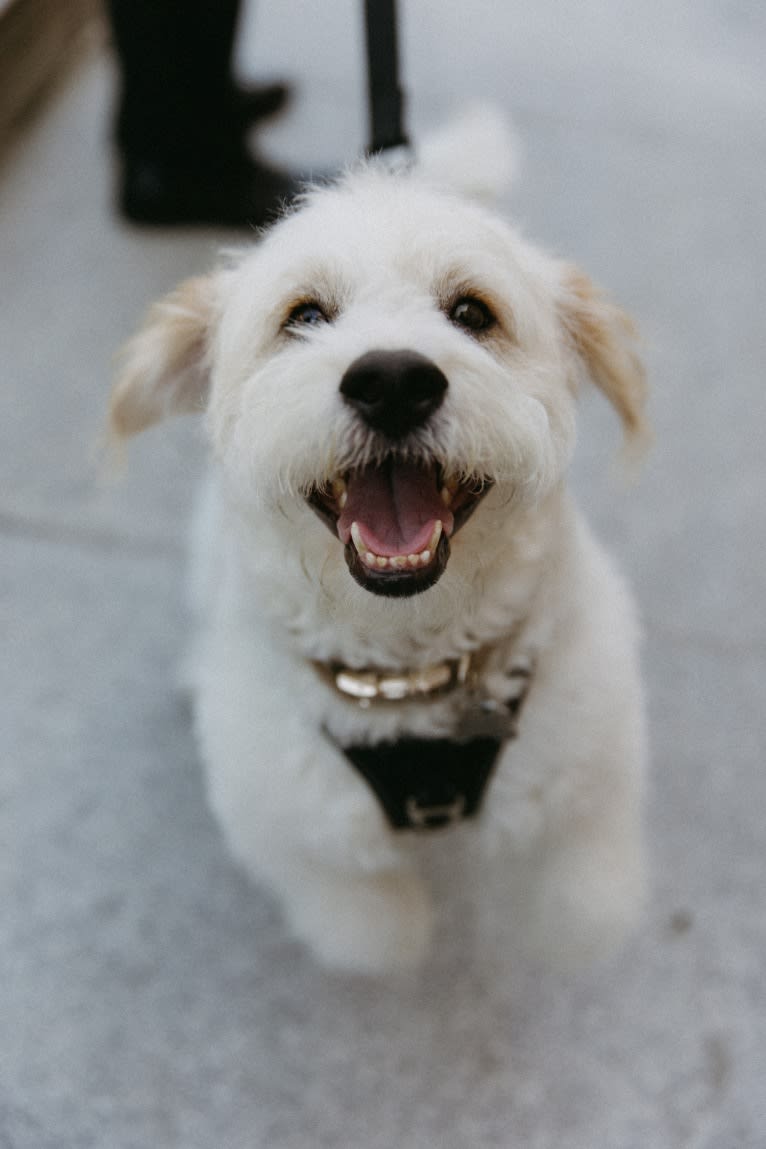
148, 996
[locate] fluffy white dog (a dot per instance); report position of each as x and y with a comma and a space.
404, 621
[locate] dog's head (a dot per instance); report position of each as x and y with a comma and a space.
392, 357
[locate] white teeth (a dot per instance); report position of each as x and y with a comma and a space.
340, 494
356, 536
435, 536
447, 492
396, 562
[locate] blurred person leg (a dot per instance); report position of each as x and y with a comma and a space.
182, 122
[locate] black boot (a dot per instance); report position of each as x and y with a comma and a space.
230, 190
259, 101
182, 122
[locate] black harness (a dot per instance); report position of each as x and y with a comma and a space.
427, 783
432, 783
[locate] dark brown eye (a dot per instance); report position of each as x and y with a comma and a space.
471, 314
306, 314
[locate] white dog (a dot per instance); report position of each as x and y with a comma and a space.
403, 620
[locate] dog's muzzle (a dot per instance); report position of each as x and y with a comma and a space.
396, 517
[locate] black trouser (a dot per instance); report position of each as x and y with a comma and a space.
175, 57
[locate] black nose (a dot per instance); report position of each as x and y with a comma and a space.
394, 391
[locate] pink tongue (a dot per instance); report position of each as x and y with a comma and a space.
395, 506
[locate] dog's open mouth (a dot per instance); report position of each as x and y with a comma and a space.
396, 520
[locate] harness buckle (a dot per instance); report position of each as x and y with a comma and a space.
432, 816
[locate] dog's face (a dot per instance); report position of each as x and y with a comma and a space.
390, 360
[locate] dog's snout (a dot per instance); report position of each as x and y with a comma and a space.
394, 391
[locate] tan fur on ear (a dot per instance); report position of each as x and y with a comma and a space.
605, 340
164, 368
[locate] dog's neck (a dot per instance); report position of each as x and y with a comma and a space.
477, 604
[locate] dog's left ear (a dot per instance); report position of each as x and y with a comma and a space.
604, 340
164, 368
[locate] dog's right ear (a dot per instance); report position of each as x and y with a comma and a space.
164, 368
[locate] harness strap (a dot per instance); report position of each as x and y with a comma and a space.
386, 98
427, 784
430, 783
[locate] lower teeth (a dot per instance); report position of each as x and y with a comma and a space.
396, 562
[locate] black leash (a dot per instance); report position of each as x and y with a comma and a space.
386, 97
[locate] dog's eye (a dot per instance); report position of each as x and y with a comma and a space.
306, 314
471, 314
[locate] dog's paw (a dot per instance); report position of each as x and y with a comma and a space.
585, 905
375, 924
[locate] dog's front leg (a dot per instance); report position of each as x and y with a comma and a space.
300, 820
572, 848
590, 885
